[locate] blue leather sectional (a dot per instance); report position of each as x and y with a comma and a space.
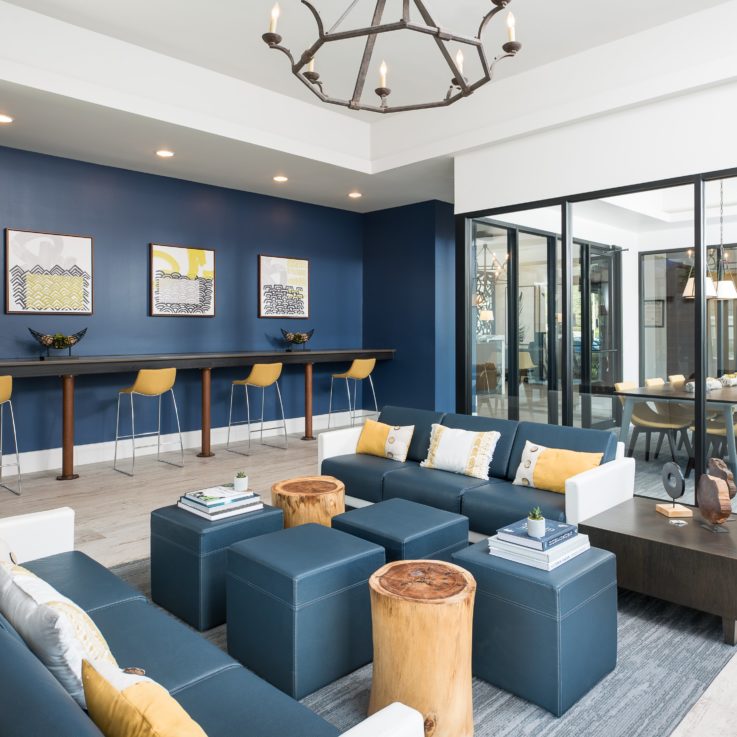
488, 505
221, 695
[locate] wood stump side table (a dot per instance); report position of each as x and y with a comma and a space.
422, 620
309, 499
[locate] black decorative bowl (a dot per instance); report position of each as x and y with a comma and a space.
57, 341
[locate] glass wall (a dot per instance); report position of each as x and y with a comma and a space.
515, 315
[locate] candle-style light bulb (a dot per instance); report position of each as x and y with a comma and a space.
311, 65
275, 12
459, 61
383, 70
511, 23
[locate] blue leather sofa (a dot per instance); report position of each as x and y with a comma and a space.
223, 697
487, 504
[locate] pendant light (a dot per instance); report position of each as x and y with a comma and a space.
725, 286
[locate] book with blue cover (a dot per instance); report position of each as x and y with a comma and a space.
555, 534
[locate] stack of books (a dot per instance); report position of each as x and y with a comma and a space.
561, 543
220, 502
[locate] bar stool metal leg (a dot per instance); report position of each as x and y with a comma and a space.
350, 409
239, 422
179, 432
16, 465
373, 391
283, 417
330, 404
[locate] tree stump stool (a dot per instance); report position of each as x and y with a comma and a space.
422, 619
309, 499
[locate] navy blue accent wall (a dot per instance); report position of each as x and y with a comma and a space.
124, 211
408, 292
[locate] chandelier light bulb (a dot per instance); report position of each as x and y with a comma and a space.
311, 65
383, 71
459, 61
275, 12
511, 24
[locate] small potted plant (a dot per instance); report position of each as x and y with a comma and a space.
536, 523
240, 482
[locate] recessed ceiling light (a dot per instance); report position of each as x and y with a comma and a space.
165, 153
281, 178
5, 119
355, 195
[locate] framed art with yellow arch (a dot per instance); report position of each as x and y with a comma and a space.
182, 281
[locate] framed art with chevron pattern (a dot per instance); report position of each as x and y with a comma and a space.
182, 281
48, 273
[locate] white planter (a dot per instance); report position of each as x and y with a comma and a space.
536, 527
240, 484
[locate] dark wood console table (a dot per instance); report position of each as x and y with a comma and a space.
684, 565
68, 369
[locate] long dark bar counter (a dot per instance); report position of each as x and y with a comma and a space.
68, 368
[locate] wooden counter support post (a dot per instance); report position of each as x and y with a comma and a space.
308, 403
422, 618
67, 429
205, 451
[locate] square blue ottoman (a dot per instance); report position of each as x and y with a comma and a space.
189, 557
407, 530
548, 637
299, 611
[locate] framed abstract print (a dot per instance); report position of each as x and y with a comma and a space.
283, 287
182, 281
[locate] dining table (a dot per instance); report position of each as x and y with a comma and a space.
719, 402
67, 368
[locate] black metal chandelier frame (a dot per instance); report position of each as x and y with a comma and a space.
459, 86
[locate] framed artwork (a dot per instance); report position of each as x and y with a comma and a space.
48, 273
182, 281
283, 287
653, 313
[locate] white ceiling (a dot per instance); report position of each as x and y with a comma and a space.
99, 111
79, 130
225, 36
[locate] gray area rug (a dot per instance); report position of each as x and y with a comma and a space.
667, 657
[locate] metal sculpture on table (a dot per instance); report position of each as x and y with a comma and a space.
675, 486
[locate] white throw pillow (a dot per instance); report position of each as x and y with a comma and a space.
54, 627
461, 451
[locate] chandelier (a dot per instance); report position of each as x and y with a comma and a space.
303, 67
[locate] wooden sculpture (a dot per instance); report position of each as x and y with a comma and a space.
715, 505
717, 467
422, 616
309, 499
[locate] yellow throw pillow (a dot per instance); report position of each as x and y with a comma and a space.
550, 468
385, 441
461, 451
130, 705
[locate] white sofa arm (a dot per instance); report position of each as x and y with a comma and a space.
31, 536
337, 443
594, 491
395, 720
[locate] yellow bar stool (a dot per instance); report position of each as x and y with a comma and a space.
263, 375
6, 391
149, 383
360, 370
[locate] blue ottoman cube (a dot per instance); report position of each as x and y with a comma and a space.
299, 611
189, 557
407, 530
548, 637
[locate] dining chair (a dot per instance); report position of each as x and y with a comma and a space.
646, 420
675, 411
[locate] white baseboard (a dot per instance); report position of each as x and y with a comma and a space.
48, 460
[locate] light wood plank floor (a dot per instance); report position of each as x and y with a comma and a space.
112, 510
112, 526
